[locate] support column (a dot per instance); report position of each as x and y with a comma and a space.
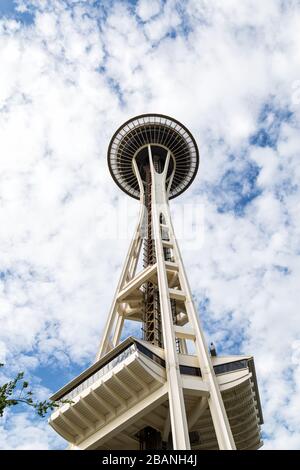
179, 427
215, 401
128, 273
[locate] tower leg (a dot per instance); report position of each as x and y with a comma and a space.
118, 330
215, 401
179, 427
128, 272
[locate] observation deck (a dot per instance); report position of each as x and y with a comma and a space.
163, 133
126, 389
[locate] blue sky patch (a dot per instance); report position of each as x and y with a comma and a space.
5, 274
282, 269
116, 88
285, 188
55, 378
236, 189
269, 124
8, 10
232, 339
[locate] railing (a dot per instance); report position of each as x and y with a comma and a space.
102, 371
132, 348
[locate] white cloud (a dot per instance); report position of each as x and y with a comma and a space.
67, 81
147, 10
23, 433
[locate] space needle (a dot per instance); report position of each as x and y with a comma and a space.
164, 389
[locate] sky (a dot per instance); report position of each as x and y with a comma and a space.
71, 72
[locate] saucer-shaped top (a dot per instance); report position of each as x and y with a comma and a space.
158, 130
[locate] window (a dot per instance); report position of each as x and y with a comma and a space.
165, 233
162, 219
150, 354
231, 366
168, 254
188, 370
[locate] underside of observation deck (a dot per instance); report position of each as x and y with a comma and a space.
162, 132
126, 392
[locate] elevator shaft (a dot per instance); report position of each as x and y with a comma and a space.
152, 315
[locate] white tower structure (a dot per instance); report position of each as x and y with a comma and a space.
165, 390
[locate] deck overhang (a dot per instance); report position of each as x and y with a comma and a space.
127, 390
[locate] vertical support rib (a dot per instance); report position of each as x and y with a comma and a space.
127, 273
216, 405
118, 330
178, 419
114, 325
152, 315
